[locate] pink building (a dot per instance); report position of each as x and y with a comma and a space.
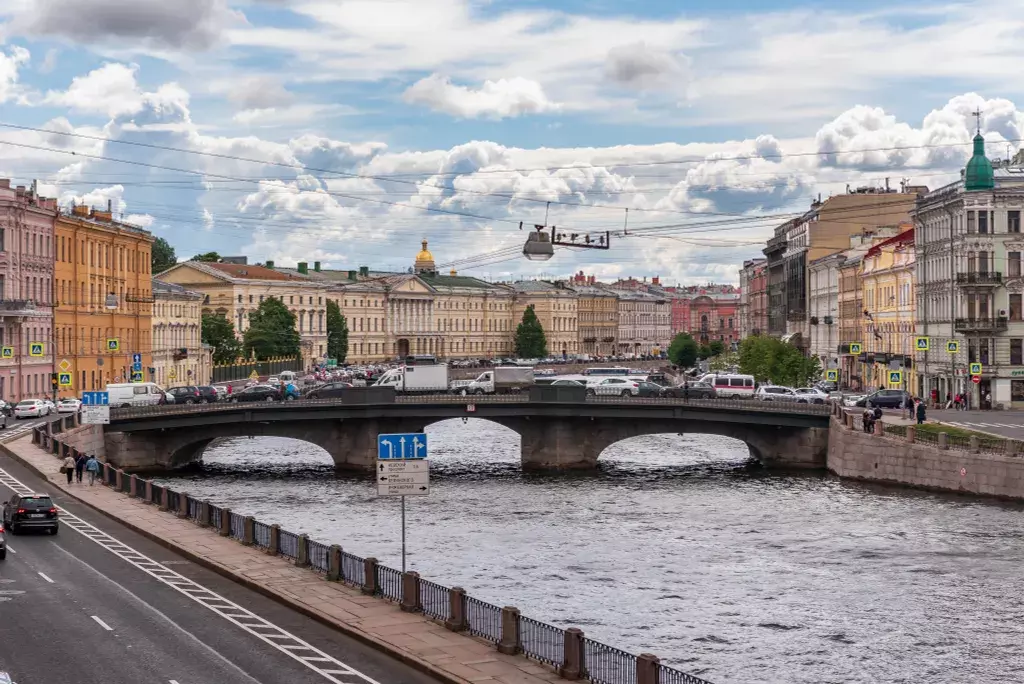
26, 289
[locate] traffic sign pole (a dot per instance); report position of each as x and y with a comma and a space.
403, 469
403, 535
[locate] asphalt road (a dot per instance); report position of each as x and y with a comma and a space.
1006, 423
71, 610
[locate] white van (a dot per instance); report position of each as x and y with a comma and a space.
124, 394
286, 376
730, 385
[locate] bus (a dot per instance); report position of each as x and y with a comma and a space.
607, 372
421, 360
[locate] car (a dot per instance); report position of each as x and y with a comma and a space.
566, 382
886, 398
188, 394
222, 392
31, 408
3, 541
257, 393
622, 387
50, 405
331, 390
649, 389
811, 395
6, 408
208, 394
851, 400
69, 405
775, 393
30, 512
130, 394
690, 390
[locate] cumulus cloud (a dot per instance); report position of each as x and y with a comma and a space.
500, 99
111, 90
642, 66
180, 25
259, 92
10, 63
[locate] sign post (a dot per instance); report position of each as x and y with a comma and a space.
403, 469
95, 408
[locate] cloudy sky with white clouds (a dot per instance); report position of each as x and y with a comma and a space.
344, 131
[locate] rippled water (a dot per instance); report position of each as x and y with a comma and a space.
678, 546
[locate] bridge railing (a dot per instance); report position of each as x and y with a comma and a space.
566, 650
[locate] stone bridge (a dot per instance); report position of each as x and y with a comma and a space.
558, 429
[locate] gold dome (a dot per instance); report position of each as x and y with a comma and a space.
424, 260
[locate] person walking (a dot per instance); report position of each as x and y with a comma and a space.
68, 467
79, 467
92, 466
920, 412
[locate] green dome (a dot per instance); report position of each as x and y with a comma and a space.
979, 174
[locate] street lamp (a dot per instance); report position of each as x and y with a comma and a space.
111, 302
538, 246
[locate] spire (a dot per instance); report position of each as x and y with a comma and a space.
979, 174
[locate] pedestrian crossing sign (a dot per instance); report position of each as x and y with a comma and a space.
832, 375
7, 352
254, 375
136, 376
975, 369
953, 346
921, 343
36, 349
64, 379
855, 348
895, 377
113, 344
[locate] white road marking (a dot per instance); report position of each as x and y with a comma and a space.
265, 631
10, 549
46, 578
102, 624
173, 681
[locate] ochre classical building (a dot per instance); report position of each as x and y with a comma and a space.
179, 356
104, 299
556, 306
597, 315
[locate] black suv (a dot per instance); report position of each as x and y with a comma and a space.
188, 394
30, 512
207, 394
886, 398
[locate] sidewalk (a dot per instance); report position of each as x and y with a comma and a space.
417, 640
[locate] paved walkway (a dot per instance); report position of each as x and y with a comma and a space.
410, 636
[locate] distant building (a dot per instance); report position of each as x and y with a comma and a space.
179, 355
753, 305
556, 306
598, 316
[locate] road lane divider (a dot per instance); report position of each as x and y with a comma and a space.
328, 667
102, 624
46, 578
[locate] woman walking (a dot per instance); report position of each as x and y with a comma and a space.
68, 467
92, 466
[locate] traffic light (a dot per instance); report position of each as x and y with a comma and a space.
53, 379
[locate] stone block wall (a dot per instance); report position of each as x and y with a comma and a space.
88, 439
877, 458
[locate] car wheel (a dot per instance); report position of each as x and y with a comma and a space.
270, 399
735, 396
189, 401
53, 530
232, 400
125, 406
203, 401
626, 393
591, 393
289, 398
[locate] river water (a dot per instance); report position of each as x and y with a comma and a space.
678, 546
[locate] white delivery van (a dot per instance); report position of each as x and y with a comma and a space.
286, 376
730, 386
124, 394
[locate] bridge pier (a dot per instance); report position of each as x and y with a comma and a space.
562, 443
353, 446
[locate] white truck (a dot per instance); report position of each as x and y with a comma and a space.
502, 380
416, 379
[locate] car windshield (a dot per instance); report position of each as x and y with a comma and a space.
36, 502
27, 403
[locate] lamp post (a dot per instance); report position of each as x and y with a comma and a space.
110, 303
540, 246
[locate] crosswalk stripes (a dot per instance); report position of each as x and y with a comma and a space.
977, 425
15, 432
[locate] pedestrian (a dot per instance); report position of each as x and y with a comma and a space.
92, 466
79, 466
868, 420
957, 401
988, 400
920, 412
68, 467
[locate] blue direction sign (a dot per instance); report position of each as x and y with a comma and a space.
95, 399
137, 359
137, 366
411, 445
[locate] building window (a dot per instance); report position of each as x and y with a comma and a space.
983, 221
1013, 221
1017, 390
1013, 264
1016, 352
1015, 307
971, 222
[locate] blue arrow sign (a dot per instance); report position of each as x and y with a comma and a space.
95, 399
398, 447
137, 358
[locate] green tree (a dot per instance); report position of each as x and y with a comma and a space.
219, 333
337, 332
162, 255
716, 347
530, 340
724, 362
771, 360
682, 351
208, 256
271, 331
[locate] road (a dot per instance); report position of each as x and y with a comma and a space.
99, 603
1007, 423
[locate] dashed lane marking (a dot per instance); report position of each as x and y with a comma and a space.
46, 578
328, 667
102, 624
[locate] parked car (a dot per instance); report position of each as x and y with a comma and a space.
852, 399
257, 393
566, 382
208, 394
649, 389
811, 395
775, 393
6, 408
28, 512
623, 387
69, 405
886, 398
31, 408
50, 405
331, 390
222, 392
189, 394
691, 390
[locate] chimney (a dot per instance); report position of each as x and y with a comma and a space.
656, 280
316, 266
20, 190
270, 263
110, 206
364, 271
80, 210
303, 267
352, 275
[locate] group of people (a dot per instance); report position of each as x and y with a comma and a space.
917, 407
75, 468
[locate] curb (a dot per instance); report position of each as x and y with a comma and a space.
360, 636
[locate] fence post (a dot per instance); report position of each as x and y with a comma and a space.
457, 609
334, 563
647, 670
133, 486
274, 547
205, 514
147, 491
411, 602
248, 530
369, 576
879, 427
911, 433
106, 474
182, 504
975, 444
225, 522
510, 643
573, 666
302, 551
943, 440
163, 507
119, 480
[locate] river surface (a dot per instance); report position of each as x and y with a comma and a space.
678, 546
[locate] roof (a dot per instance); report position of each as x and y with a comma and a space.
901, 240
247, 272
161, 287
979, 175
450, 281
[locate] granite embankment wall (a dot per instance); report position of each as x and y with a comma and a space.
900, 459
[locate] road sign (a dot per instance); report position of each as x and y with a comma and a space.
64, 379
136, 366
895, 377
953, 346
393, 477
7, 352
113, 344
412, 445
65, 365
254, 375
976, 379
922, 343
36, 349
172, 375
403, 489
136, 376
832, 375
137, 358
95, 415
855, 348
95, 399
975, 369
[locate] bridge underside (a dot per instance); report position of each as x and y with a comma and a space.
548, 442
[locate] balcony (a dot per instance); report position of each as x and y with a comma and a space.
981, 325
21, 307
796, 316
980, 279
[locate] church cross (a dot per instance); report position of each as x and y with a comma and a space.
977, 115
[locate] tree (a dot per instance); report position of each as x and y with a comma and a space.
683, 350
212, 257
162, 255
771, 360
530, 340
271, 332
716, 347
219, 333
703, 352
337, 332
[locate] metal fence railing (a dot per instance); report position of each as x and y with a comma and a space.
193, 508
237, 526
608, 665
670, 675
216, 517
435, 599
289, 544
541, 641
389, 583
173, 499
353, 569
319, 556
892, 430
261, 536
484, 619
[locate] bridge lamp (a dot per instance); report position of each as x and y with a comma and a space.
538, 246
111, 302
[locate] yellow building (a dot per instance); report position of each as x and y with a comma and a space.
597, 315
887, 282
179, 356
557, 309
104, 312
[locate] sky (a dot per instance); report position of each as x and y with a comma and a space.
347, 131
